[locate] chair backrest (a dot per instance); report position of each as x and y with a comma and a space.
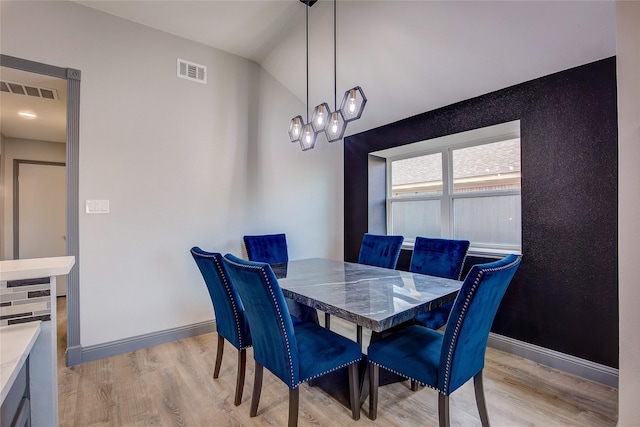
465, 339
439, 257
380, 250
269, 248
274, 341
230, 316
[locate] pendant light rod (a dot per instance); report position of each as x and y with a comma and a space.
335, 61
307, 33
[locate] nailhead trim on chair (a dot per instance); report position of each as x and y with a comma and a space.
330, 370
454, 337
403, 375
462, 266
455, 333
292, 385
227, 289
281, 320
233, 304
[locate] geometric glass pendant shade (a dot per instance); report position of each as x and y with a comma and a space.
308, 140
335, 127
295, 129
353, 104
320, 117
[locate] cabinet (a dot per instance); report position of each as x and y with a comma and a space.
34, 399
16, 407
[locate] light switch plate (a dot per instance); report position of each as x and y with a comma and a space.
97, 206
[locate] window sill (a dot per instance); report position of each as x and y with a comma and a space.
482, 252
495, 253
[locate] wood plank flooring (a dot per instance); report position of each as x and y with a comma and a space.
172, 385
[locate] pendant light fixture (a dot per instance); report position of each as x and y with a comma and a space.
333, 124
353, 104
336, 125
298, 130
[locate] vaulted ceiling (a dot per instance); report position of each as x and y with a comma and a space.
408, 56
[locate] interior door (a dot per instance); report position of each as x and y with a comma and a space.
41, 213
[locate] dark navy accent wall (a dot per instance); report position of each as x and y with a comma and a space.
565, 295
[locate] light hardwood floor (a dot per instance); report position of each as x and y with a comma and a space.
172, 385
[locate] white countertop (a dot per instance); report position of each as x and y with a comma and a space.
18, 269
16, 342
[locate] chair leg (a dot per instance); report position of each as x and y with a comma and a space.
364, 384
216, 369
354, 386
480, 401
414, 385
327, 320
294, 402
257, 388
374, 377
242, 364
443, 410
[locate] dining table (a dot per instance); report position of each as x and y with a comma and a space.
371, 297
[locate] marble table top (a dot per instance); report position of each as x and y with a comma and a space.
372, 297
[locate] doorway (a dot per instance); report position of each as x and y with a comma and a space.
39, 220
72, 76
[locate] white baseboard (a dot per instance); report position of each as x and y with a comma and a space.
554, 359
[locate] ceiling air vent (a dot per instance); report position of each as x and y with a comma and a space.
191, 71
27, 90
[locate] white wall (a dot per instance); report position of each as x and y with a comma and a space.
181, 163
22, 149
300, 193
628, 65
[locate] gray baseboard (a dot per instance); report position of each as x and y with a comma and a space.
139, 342
554, 359
73, 355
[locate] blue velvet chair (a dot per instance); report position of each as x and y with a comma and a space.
380, 250
442, 258
269, 248
295, 353
447, 361
231, 323
272, 249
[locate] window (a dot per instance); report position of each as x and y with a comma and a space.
460, 188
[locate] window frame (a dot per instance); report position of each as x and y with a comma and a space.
447, 197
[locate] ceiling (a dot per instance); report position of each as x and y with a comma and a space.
408, 56
247, 28
50, 123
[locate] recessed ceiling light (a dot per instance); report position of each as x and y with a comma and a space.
27, 115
